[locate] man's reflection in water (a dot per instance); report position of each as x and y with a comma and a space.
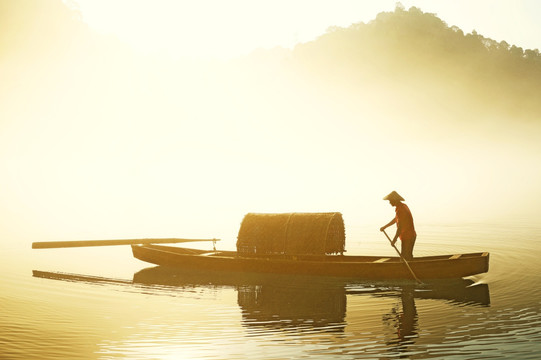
403, 318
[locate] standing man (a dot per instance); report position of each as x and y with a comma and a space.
405, 230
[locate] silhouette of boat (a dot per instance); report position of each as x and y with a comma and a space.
295, 244
358, 267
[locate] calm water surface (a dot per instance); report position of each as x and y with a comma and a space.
103, 304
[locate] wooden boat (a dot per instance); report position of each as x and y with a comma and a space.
359, 267
294, 244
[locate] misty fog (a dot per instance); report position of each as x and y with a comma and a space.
100, 141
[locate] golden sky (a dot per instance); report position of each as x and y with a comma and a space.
100, 155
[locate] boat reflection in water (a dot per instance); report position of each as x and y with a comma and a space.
298, 303
268, 301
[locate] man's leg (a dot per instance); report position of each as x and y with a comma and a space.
407, 248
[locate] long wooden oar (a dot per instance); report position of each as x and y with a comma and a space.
83, 243
402, 258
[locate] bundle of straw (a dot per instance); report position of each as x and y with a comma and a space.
292, 234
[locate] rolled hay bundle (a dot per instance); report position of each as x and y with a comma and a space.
292, 234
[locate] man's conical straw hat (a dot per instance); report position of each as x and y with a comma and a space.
394, 196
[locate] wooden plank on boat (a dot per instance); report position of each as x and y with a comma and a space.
456, 256
382, 260
84, 243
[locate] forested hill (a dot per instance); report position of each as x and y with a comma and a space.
409, 55
406, 59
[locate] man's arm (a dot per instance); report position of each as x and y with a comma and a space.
389, 224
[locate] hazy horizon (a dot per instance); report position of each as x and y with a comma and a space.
100, 141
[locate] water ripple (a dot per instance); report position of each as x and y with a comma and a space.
141, 316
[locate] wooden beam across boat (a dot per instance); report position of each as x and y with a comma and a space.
84, 243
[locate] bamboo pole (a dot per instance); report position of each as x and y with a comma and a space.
403, 259
85, 243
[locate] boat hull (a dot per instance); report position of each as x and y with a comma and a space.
360, 267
